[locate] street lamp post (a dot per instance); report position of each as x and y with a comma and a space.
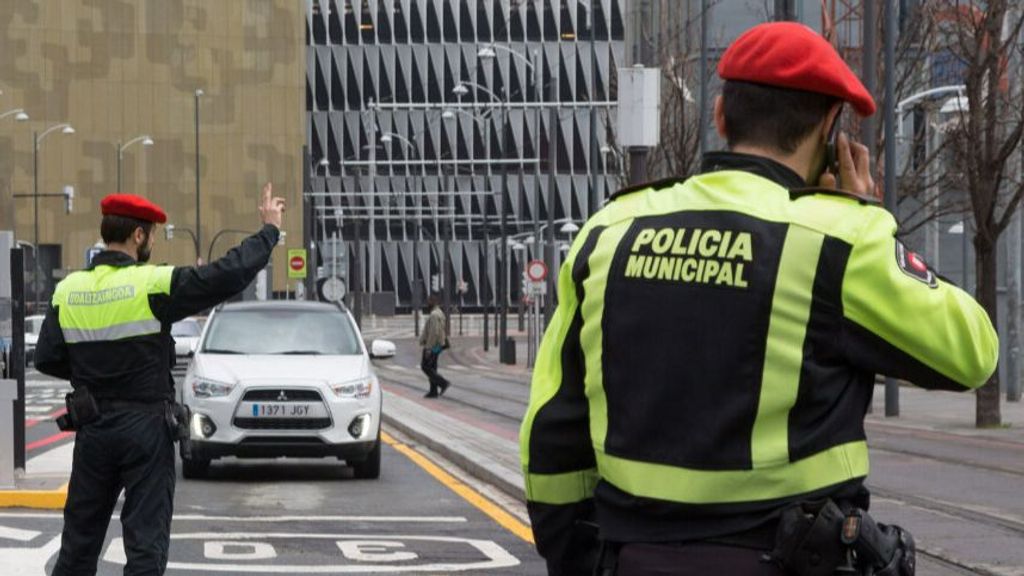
171, 229
461, 89
484, 280
386, 138
37, 139
146, 141
199, 233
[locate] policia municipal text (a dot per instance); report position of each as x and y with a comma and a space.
698, 401
108, 331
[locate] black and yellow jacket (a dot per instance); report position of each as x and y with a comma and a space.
713, 355
109, 327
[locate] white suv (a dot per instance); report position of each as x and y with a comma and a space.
282, 378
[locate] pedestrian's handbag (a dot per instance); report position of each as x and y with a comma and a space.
82, 410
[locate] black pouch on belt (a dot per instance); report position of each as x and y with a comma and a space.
82, 410
178, 416
808, 539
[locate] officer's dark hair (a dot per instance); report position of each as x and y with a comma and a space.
118, 229
770, 117
433, 300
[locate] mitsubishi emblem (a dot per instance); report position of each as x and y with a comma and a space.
282, 397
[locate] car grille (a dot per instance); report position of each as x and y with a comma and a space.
282, 423
282, 440
274, 395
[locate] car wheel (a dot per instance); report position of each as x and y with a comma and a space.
368, 469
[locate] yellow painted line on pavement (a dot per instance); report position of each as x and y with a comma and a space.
495, 512
38, 499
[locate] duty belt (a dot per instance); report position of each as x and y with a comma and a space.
153, 407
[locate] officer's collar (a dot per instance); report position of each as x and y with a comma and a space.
112, 258
759, 165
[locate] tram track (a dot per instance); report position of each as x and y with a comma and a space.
391, 378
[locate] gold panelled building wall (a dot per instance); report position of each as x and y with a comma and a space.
117, 69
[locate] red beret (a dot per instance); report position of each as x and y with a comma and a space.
132, 206
791, 55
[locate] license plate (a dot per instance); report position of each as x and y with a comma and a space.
281, 410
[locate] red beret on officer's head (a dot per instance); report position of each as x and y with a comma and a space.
791, 55
132, 206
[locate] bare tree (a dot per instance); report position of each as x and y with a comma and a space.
678, 55
983, 36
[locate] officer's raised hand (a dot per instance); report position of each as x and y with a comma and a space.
854, 169
271, 207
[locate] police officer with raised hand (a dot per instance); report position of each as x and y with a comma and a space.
698, 401
109, 332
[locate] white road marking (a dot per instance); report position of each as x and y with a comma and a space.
272, 519
238, 551
29, 561
496, 556
18, 534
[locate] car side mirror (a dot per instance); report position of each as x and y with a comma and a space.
382, 349
192, 348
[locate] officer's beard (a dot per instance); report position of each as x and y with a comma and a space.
144, 251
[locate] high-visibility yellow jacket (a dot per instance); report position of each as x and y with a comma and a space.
713, 355
109, 327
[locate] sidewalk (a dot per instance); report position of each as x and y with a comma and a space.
44, 483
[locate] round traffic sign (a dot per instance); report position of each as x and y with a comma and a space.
297, 263
333, 289
536, 270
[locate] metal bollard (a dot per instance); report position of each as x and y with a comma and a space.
8, 394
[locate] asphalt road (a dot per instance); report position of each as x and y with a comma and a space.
297, 516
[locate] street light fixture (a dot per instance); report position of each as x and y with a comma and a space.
146, 141
18, 113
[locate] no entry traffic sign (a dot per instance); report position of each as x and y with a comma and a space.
536, 270
297, 263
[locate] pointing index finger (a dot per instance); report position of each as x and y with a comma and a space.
268, 189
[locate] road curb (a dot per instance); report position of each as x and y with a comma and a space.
512, 489
37, 499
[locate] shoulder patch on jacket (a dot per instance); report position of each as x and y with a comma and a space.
913, 265
655, 185
797, 193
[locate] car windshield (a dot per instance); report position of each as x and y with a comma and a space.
185, 329
277, 331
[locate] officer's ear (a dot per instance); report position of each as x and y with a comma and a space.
720, 117
139, 236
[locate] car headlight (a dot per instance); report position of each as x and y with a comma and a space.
361, 388
203, 388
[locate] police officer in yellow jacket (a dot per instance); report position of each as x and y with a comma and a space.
108, 331
716, 341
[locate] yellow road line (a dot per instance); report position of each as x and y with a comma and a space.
39, 499
503, 518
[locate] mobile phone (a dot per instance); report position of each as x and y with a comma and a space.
832, 147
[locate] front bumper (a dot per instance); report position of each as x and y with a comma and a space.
279, 446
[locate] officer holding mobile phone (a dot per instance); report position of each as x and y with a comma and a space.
698, 401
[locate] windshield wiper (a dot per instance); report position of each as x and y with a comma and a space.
301, 352
220, 351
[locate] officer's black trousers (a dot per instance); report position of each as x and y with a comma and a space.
696, 559
129, 450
